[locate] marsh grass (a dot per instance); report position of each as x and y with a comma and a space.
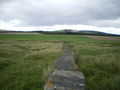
23, 64
100, 63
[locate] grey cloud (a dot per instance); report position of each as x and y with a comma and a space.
42, 12
2, 1
108, 9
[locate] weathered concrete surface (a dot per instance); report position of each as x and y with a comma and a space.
65, 75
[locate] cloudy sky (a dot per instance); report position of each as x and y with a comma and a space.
101, 15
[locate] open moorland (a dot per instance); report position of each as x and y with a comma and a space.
26, 60
24, 65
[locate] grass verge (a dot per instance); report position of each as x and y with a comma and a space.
100, 63
23, 64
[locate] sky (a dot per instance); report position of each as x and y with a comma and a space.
27, 15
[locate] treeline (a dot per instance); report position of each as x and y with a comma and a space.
65, 32
76, 33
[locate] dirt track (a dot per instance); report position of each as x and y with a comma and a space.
104, 37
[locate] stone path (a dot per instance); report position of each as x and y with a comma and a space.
65, 75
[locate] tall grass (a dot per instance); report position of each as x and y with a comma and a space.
26, 60
100, 63
23, 64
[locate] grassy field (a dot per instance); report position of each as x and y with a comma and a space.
24, 64
100, 63
25, 58
40, 37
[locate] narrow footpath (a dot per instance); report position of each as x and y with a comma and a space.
65, 75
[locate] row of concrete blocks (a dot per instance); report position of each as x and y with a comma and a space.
65, 75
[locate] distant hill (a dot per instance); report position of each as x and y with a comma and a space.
64, 32
76, 32
90, 32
